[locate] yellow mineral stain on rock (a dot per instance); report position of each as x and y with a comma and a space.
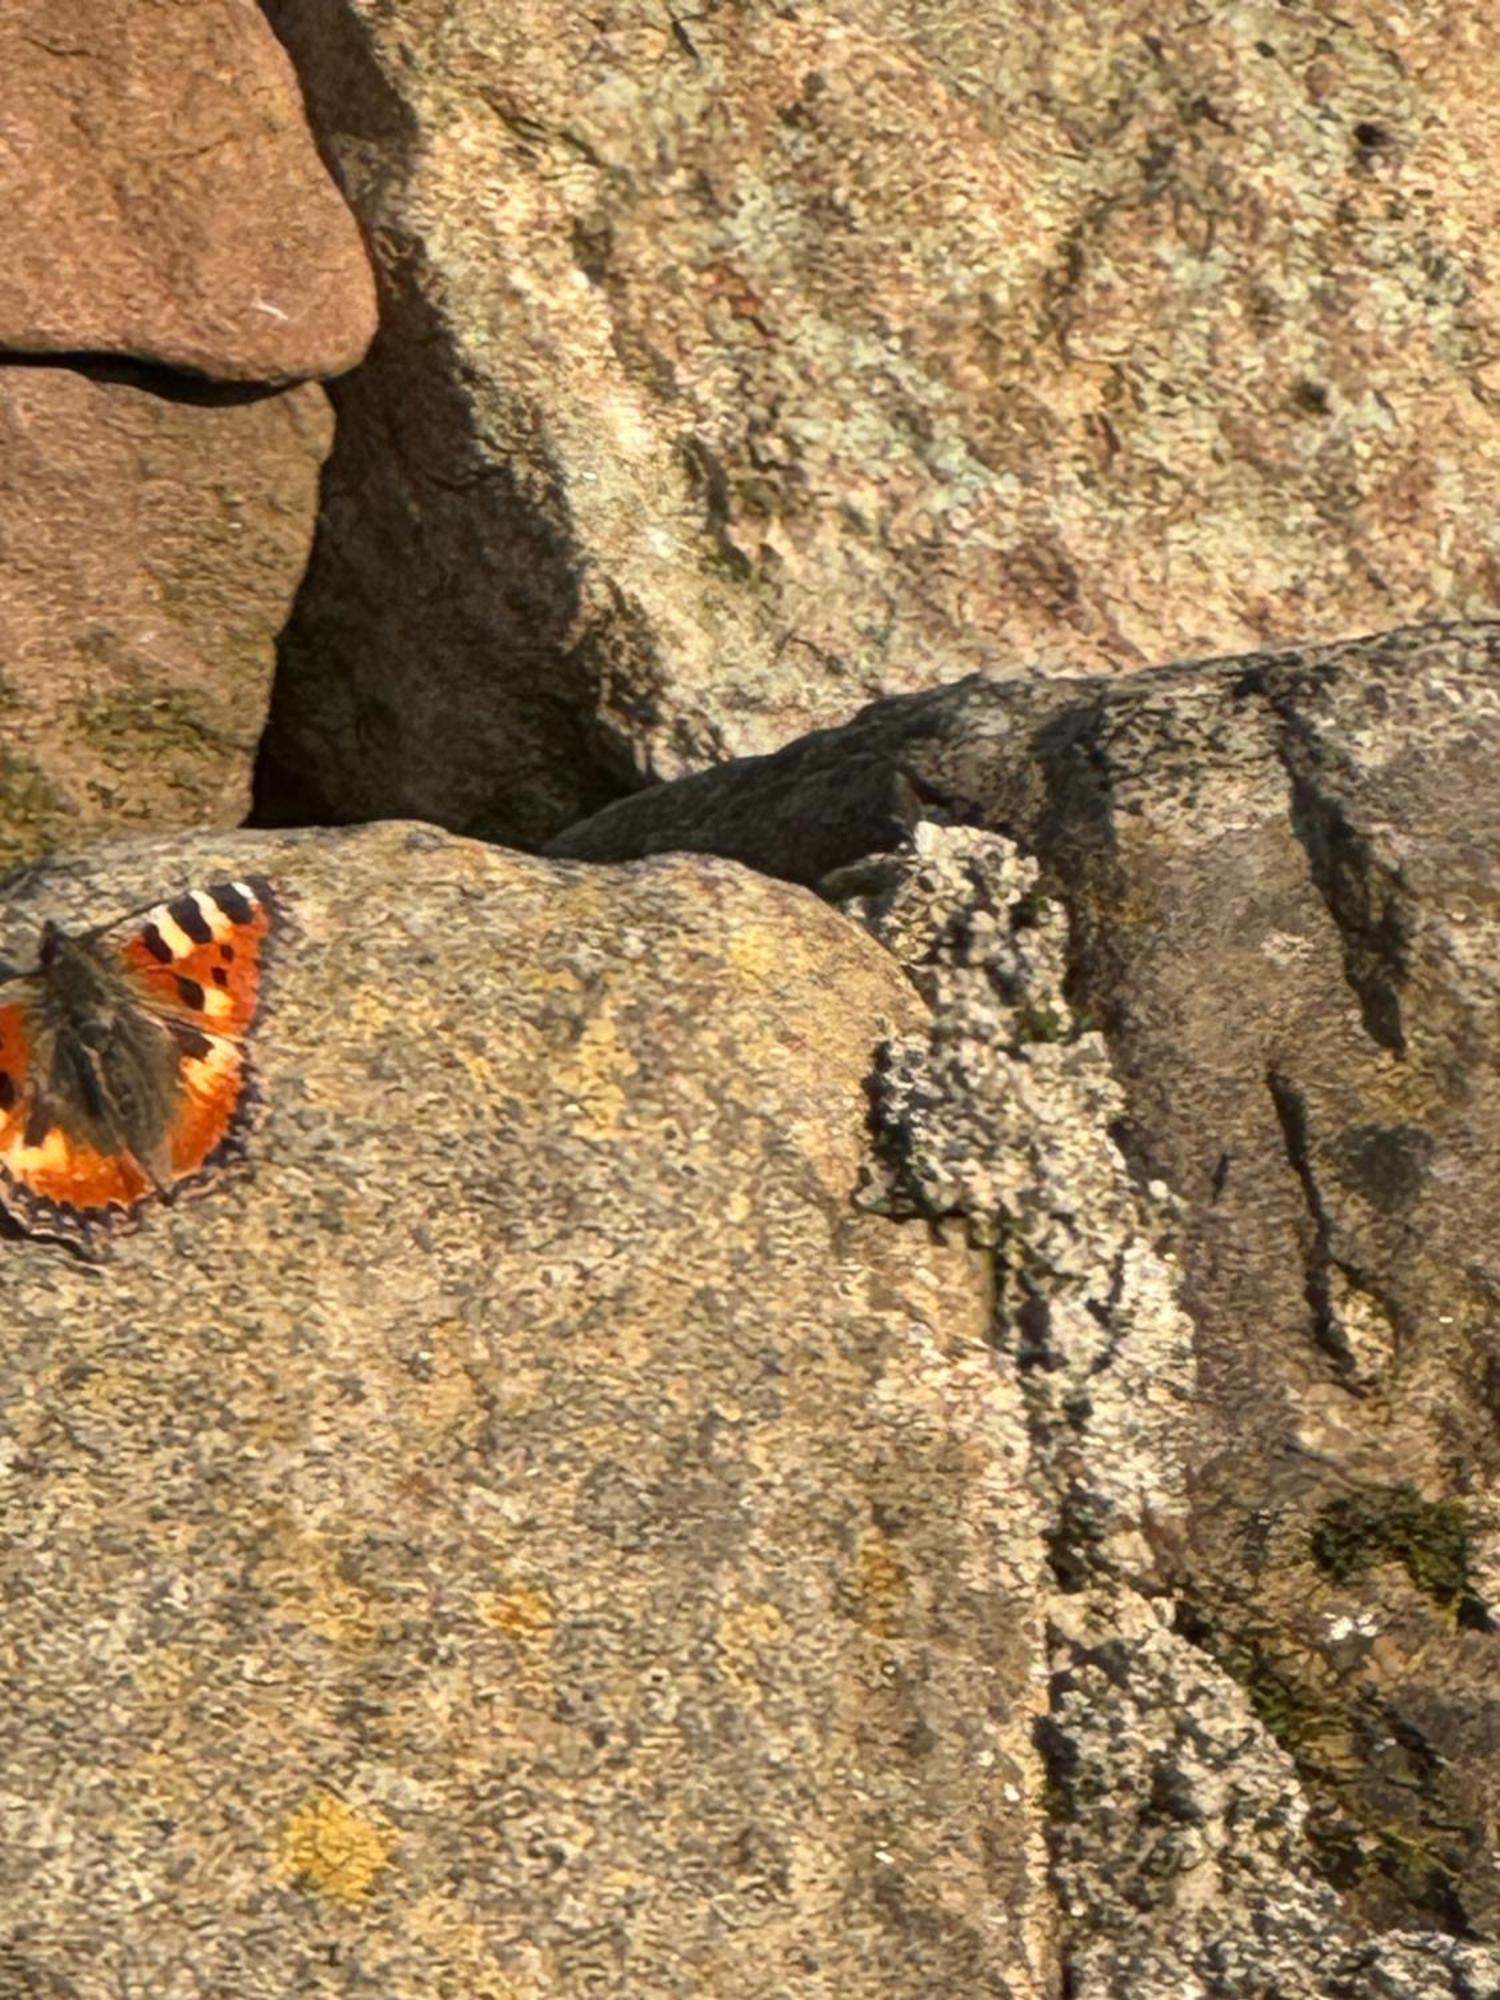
539, 978
758, 951
367, 1008
592, 1075
477, 1065
522, 1613
758, 1623
329, 1849
167, 1673
882, 1583
745, 1634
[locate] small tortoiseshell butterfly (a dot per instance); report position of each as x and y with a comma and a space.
124, 1076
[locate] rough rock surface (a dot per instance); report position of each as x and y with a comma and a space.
1001, 1110
538, 1538
1281, 879
1176, 1824
151, 538
747, 361
1179, 1834
161, 199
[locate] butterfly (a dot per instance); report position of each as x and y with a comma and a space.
124, 1072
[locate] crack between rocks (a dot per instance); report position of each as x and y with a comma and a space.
1365, 896
152, 378
1317, 1261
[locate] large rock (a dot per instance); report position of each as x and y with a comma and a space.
160, 196
1183, 1856
1281, 879
150, 542
537, 1538
746, 362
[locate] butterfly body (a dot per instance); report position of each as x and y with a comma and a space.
124, 1071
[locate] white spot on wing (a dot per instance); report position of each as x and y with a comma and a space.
211, 914
173, 936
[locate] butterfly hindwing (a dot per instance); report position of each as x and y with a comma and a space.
217, 1096
47, 1173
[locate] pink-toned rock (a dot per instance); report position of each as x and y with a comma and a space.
149, 548
161, 198
753, 361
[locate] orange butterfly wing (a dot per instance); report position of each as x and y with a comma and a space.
197, 964
200, 955
199, 960
216, 1098
43, 1167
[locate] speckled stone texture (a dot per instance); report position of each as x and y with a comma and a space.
161, 198
747, 361
164, 219
1177, 1827
1280, 879
539, 1538
151, 537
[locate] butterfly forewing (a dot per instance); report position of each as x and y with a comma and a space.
200, 954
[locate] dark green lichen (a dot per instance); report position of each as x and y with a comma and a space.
1429, 1538
1385, 1822
1037, 1022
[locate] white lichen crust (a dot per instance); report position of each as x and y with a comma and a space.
1180, 1864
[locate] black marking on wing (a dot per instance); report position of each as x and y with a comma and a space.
191, 1041
190, 993
157, 945
232, 903
187, 916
